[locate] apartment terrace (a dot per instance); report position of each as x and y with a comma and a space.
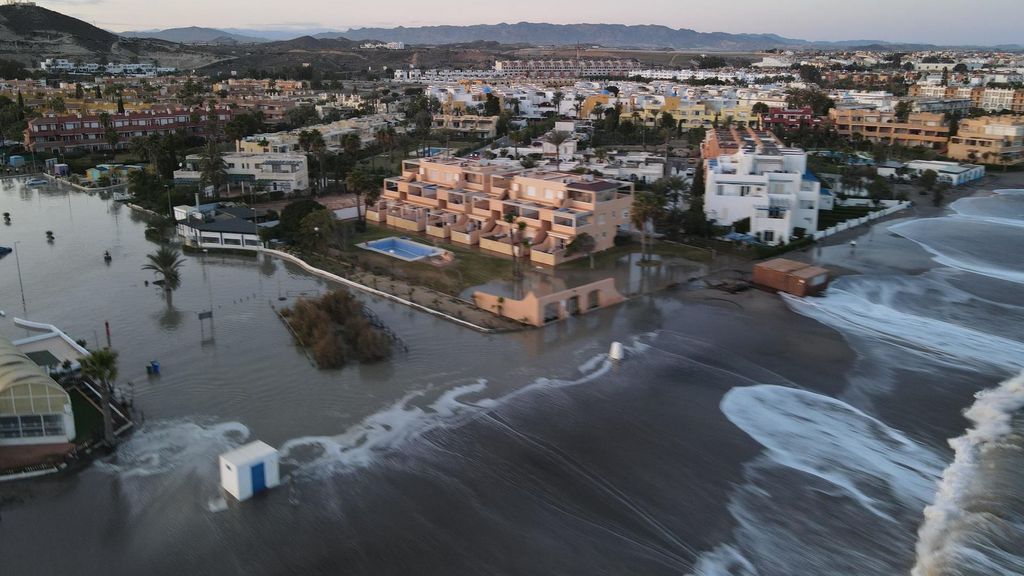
467, 202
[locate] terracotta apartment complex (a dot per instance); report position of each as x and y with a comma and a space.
67, 132
926, 129
989, 139
466, 201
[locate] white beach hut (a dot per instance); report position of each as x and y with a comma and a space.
249, 470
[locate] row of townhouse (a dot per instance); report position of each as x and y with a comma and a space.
566, 68
67, 132
466, 202
65, 66
926, 129
256, 86
990, 99
749, 174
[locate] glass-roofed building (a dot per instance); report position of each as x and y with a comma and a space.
33, 408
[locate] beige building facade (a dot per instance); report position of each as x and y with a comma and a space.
466, 202
989, 140
926, 129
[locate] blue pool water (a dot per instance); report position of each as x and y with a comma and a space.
401, 248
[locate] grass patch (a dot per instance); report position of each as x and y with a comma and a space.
471, 267
839, 214
88, 418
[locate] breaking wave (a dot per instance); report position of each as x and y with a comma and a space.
159, 447
415, 415
971, 524
827, 468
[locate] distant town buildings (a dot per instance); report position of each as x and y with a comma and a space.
565, 68
91, 133
65, 66
383, 45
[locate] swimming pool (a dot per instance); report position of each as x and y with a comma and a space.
402, 248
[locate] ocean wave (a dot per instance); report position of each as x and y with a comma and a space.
412, 416
853, 310
834, 441
827, 469
159, 447
970, 526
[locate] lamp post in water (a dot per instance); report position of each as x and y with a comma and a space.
17, 260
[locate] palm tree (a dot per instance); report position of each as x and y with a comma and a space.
318, 147
166, 262
578, 103
557, 138
140, 149
510, 218
213, 170
101, 367
556, 99
646, 207
386, 138
358, 182
585, 244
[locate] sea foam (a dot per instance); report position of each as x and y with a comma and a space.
953, 520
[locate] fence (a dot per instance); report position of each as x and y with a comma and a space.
858, 221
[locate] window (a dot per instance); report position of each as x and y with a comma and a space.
233, 241
768, 236
53, 425
744, 190
531, 191
720, 190
250, 242
549, 194
211, 239
32, 425
10, 427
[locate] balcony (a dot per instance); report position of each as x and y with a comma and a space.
771, 212
439, 224
407, 218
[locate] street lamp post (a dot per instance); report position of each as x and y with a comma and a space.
17, 259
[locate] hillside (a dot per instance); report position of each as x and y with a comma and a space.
29, 34
195, 35
612, 35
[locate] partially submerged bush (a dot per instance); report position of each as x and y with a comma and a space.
336, 330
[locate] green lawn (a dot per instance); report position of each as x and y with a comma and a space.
470, 267
829, 218
88, 419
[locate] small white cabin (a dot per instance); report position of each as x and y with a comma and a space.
249, 470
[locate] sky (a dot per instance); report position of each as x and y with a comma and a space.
928, 21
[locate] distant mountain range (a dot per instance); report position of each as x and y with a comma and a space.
196, 35
608, 35
30, 33
537, 34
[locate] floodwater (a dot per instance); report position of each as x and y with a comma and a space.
742, 435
